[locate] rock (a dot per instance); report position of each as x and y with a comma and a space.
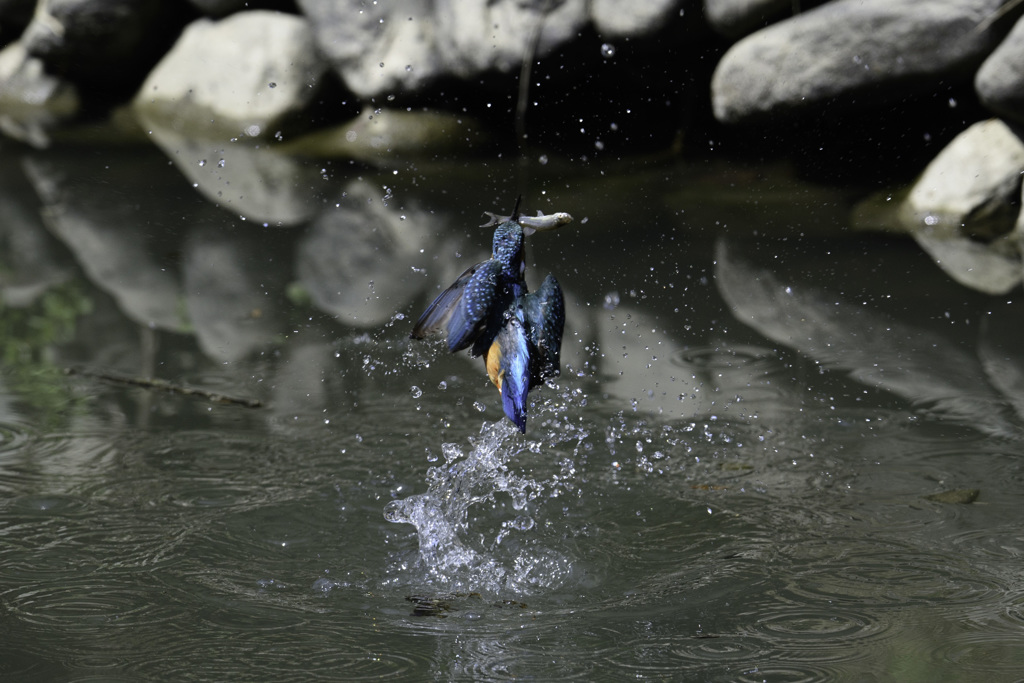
31, 100
848, 47
14, 17
382, 48
614, 19
966, 202
973, 184
219, 8
109, 44
735, 18
245, 74
1000, 80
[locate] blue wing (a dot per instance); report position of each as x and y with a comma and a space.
480, 299
464, 309
545, 321
440, 310
508, 365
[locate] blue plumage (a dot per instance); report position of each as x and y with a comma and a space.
489, 308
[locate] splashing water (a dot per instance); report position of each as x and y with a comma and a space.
476, 522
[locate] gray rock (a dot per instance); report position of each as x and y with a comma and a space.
973, 184
102, 41
614, 18
735, 18
219, 8
31, 100
242, 75
382, 48
1000, 80
14, 17
850, 46
965, 203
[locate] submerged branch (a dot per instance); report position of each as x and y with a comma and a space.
164, 385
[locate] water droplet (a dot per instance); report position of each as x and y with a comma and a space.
443, 385
272, 84
522, 523
611, 301
543, 159
607, 50
480, 407
351, 136
220, 164
202, 162
416, 391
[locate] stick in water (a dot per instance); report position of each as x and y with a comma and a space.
164, 385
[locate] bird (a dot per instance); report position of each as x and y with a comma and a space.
490, 311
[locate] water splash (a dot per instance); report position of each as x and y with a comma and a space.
477, 522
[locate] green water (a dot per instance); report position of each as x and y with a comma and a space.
729, 481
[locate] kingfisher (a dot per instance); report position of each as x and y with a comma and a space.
490, 311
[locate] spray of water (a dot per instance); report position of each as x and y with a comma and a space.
477, 522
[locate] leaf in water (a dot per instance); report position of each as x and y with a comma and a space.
955, 496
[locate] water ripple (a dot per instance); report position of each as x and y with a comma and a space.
860, 572
12, 436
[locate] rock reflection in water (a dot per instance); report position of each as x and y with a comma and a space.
919, 365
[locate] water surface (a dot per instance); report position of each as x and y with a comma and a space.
730, 481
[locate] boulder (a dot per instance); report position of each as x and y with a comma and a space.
615, 19
31, 100
965, 204
973, 184
735, 18
382, 48
243, 75
109, 44
1000, 80
849, 47
14, 17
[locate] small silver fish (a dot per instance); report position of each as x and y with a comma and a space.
532, 224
